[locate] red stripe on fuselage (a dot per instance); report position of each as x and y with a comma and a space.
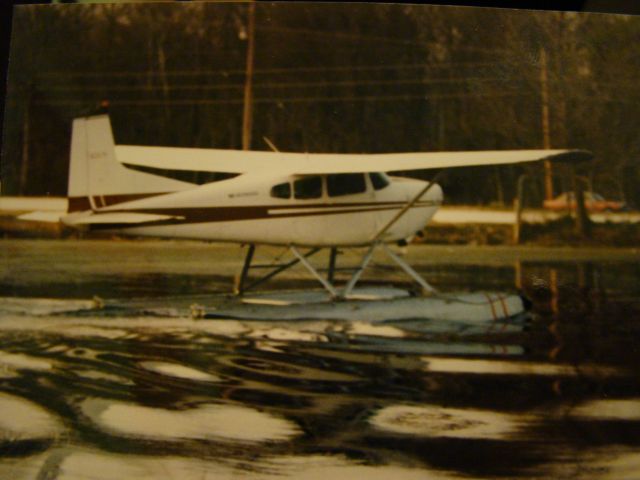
258, 212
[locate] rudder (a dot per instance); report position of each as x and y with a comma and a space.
97, 179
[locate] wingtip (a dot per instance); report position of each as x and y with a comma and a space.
572, 156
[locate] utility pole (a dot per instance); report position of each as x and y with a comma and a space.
26, 123
518, 206
248, 85
546, 134
583, 222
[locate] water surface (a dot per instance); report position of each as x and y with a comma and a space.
130, 385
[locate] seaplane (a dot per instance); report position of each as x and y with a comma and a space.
305, 202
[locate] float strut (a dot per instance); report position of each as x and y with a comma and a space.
314, 272
356, 276
278, 269
332, 264
245, 269
408, 270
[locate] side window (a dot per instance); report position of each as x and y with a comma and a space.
309, 187
345, 184
282, 190
378, 180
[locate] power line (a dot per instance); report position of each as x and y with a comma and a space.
324, 83
283, 100
333, 35
266, 71
337, 35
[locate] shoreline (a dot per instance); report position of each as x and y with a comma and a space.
438, 253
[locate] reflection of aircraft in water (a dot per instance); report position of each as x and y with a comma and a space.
225, 395
297, 200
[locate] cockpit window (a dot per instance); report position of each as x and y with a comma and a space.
345, 184
379, 180
282, 190
309, 187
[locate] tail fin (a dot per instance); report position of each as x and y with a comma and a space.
97, 179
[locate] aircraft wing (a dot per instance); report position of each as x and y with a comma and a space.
203, 160
325, 164
238, 161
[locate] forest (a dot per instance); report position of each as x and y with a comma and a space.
330, 77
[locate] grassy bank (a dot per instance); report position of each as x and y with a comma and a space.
561, 232
556, 233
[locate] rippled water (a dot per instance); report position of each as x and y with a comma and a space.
131, 386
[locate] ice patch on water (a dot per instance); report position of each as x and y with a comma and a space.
322, 467
610, 409
287, 334
91, 331
44, 306
98, 375
228, 328
22, 420
618, 465
435, 421
23, 468
19, 361
421, 347
604, 463
214, 422
90, 464
362, 328
179, 371
121, 328
502, 367
85, 464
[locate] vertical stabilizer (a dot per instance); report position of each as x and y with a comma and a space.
78, 174
97, 179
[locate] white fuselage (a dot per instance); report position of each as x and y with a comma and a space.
255, 208
280, 198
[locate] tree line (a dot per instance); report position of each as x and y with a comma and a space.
330, 78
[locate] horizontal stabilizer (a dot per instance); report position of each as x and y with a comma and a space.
14, 205
118, 218
34, 209
43, 216
237, 161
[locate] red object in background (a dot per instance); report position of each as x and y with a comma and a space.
594, 202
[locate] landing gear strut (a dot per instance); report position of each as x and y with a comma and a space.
346, 292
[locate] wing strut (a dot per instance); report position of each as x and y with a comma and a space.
406, 208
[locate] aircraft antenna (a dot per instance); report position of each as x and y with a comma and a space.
271, 145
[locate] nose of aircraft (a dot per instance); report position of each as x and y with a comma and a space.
433, 194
